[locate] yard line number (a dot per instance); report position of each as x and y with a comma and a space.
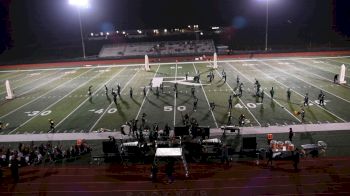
249, 105
42, 113
170, 108
100, 111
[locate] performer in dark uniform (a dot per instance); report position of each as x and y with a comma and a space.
52, 125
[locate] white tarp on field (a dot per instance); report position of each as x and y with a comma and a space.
169, 152
130, 144
212, 141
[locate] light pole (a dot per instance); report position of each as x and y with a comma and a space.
80, 4
267, 24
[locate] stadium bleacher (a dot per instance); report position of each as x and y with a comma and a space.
165, 48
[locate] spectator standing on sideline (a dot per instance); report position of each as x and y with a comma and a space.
224, 155
169, 170
154, 171
296, 159
291, 134
14, 164
269, 157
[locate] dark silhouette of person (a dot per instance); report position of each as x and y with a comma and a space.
269, 157
335, 78
291, 134
169, 170
296, 159
14, 169
224, 155
154, 171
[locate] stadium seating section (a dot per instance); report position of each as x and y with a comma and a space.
166, 48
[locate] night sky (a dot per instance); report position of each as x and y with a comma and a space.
24, 22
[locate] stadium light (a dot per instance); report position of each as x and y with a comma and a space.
80, 4
266, 24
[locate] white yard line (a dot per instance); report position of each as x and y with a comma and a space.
40, 85
205, 95
267, 94
27, 83
294, 67
325, 70
144, 99
101, 86
339, 61
304, 81
175, 97
301, 95
77, 67
240, 100
104, 112
44, 93
54, 103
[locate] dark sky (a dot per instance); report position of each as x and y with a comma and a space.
28, 21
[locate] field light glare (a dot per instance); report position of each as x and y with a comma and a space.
79, 3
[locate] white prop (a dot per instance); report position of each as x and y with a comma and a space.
146, 63
10, 94
215, 61
342, 75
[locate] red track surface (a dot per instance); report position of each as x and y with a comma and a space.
316, 176
170, 59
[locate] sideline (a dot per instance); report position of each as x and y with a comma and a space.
213, 132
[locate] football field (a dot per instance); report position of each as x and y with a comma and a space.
61, 94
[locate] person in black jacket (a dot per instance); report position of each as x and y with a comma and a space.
291, 134
296, 159
14, 164
169, 170
154, 171
269, 157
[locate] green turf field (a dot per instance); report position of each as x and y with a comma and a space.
62, 95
